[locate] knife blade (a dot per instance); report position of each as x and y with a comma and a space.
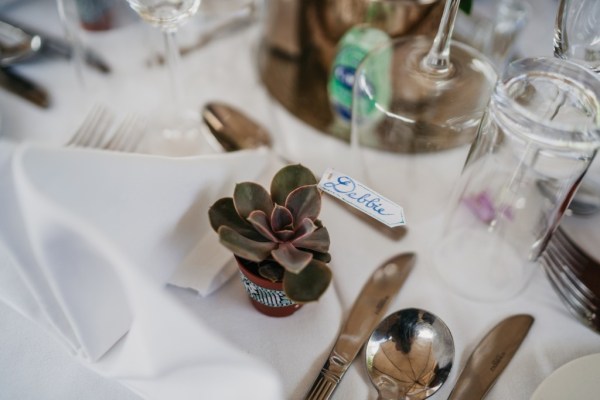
370, 305
53, 45
24, 87
490, 357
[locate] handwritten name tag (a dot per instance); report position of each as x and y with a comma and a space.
362, 198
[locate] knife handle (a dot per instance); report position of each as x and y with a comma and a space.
329, 377
323, 387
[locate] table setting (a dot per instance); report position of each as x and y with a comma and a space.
417, 233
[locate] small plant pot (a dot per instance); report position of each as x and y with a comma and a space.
266, 296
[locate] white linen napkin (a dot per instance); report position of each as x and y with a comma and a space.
88, 240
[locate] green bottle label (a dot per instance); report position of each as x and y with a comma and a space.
352, 49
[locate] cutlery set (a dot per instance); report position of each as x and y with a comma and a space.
410, 353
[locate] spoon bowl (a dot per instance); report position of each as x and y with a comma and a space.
232, 130
409, 355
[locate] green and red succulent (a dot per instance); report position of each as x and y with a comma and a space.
279, 232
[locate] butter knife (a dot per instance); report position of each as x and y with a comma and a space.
54, 45
370, 305
23, 87
490, 357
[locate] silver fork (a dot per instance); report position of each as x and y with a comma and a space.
93, 129
566, 266
127, 136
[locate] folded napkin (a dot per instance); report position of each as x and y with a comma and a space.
88, 241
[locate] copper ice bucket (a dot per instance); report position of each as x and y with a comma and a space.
300, 41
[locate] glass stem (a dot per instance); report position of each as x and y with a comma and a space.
437, 60
173, 60
67, 11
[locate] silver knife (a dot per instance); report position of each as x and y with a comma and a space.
370, 305
23, 87
490, 357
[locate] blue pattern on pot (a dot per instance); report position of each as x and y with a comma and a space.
268, 297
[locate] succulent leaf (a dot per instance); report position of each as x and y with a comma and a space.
250, 196
271, 271
310, 284
281, 218
304, 202
292, 259
305, 228
323, 257
317, 241
243, 247
285, 235
289, 178
260, 222
223, 213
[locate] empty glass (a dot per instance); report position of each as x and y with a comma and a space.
540, 133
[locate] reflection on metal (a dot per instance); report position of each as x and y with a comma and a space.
298, 79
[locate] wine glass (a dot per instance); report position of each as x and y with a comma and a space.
413, 98
178, 128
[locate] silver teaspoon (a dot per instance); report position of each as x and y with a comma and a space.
232, 129
409, 355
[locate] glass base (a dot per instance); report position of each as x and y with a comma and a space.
179, 135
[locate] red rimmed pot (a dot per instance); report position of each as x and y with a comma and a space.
266, 296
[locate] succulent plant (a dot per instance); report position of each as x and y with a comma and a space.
278, 231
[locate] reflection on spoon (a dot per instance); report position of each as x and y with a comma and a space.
409, 355
232, 129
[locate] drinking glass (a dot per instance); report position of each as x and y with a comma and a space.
577, 38
536, 141
178, 128
412, 98
577, 32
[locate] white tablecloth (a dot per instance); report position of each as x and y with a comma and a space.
35, 366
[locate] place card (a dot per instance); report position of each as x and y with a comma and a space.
361, 197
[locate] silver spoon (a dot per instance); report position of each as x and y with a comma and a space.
409, 355
16, 44
232, 129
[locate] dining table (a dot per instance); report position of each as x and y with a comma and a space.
145, 212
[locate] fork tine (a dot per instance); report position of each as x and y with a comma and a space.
93, 129
135, 136
90, 127
574, 305
127, 136
571, 248
575, 285
578, 261
85, 127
